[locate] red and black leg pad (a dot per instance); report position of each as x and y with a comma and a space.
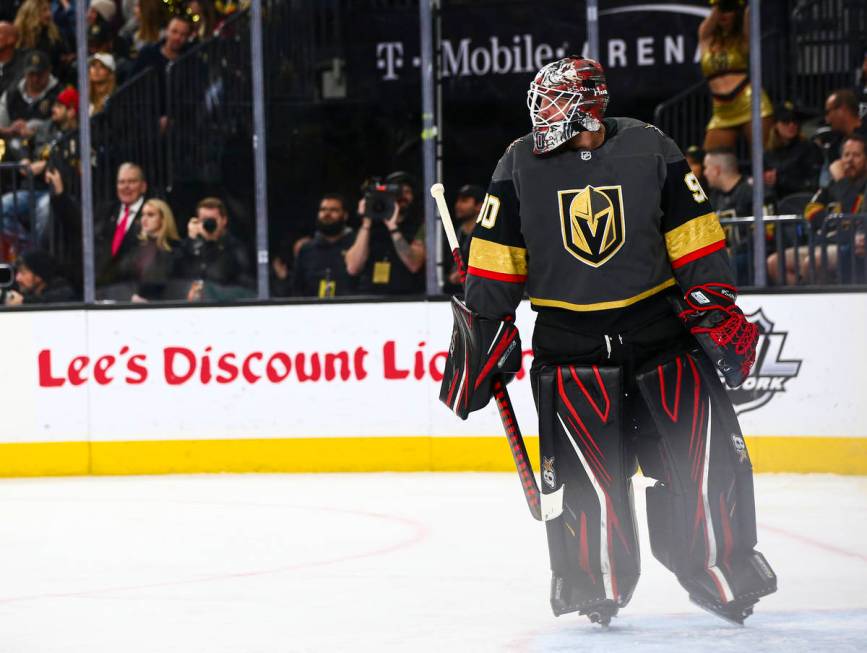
586, 489
480, 350
701, 511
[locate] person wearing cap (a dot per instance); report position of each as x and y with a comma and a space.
792, 163
27, 105
467, 206
11, 58
38, 282
320, 265
389, 255
16, 204
103, 80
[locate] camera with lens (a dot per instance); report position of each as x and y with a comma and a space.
379, 199
7, 275
209, 225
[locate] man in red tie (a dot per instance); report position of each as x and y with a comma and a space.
115, 225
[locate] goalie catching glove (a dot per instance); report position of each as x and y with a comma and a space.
481, 349
722, 330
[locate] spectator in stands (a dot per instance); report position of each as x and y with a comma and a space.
102, 30
792, 162
389, 254
38, 282
841, 114
320, 266
159, 55
26, 106
724, 45
695, 158
843, 196
145, 26
156, 261
731, 195
216, 260
16, 204
116, 225
11, 58
37, 31
103, 80
203, 16
467, 206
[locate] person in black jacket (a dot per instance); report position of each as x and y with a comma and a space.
115, 225
320, 267
792, 163
214, 259
155, 262
38, 282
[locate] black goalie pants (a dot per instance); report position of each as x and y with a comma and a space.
666, 411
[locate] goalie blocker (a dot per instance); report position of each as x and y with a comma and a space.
480, 350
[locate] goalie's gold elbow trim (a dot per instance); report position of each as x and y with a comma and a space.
602, 306
697, 234
494, 257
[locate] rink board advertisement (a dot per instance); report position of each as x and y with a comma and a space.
353, 387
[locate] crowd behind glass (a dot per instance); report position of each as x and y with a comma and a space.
371, 244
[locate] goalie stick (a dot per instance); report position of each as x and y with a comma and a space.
501, 395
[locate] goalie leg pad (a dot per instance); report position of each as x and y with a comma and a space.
701, 511
592, 540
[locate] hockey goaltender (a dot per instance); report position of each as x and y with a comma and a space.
601, 222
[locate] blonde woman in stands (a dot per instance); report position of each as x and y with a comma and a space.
37, 31
103, 80
155, 262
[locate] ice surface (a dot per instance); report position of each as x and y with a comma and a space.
382, 562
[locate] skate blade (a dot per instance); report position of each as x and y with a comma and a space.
734, 619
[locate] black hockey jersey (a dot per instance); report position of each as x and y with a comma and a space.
593, 230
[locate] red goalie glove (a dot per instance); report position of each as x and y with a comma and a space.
720, 327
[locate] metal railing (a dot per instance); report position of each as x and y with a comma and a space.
208, 103
798, 254
827, 41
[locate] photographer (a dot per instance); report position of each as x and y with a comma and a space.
389, 252
215, 258
320, 266
37, 280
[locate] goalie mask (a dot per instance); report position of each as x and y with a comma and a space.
565, 98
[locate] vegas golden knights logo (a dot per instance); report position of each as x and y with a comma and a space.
592, 223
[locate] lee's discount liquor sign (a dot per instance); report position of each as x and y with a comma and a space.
346, 370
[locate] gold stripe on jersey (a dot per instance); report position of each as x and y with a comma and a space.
494, 257
602, 306
694, 235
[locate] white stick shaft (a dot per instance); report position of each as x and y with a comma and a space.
438, 193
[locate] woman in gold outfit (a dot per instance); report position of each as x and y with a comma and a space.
724, 44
